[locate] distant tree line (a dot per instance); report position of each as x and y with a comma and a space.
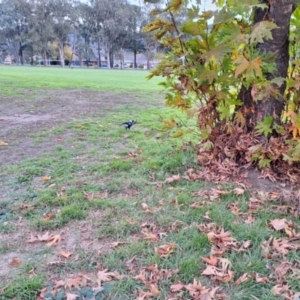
63, 29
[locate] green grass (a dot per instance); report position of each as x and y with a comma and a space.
36, 78
95, 193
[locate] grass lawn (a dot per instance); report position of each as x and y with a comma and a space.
90, 210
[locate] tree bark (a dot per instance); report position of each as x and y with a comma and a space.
61, 54
255, 111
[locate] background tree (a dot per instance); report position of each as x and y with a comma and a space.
63, 18
235, 65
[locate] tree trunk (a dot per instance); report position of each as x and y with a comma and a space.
134, 58
99, 55
148, 58
255, 111
61, 54
21, 54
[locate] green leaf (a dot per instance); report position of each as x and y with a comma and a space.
264, 162
261, 31
265, 127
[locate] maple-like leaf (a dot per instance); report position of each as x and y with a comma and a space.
249, 68
105, 276
65, 254
279, 224
261, 31
165, 250
54, 240
176, 287
15, 262
212, 260
77, 282
245, 277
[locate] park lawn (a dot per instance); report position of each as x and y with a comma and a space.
107, 212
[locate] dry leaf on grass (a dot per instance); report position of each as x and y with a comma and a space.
239, 191
54, 240
165, 250
146, 208
105, 276
212, 260
279, 224
78, 281
114, 245
245, 277
260, 279
172, 178
149, 235
45, 178
15, 262
65, 254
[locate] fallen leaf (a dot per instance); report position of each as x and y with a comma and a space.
278, 224
260, 279
165, 250
146, 208
149, 235
177, 287
45, 178
105, 276
239, 191
71, 296
15, 262
48, 216
212, 260
54, 240
77, 282
65, 254
2, 143
114, 245
172, 179
245, 277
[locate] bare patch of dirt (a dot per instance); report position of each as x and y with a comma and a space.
21, 118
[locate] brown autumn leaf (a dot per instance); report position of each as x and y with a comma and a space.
31, 273
105, 276
132, 154
45, 178
15, 262
65, 254
165, 250
260, 279
172, 178
26, 206
77, 282
2, 143
246, 245
212, 260
279, 224
144, 295
282, 290
146, 208
245, 277
235, 209
200, 292
177, 287
153, 289
48, 216
248, 219
149, 235
238, 191
54, 240
114, 245
40, 238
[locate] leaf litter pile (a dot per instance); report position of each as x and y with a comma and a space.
217, 271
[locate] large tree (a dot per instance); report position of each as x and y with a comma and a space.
235, 64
